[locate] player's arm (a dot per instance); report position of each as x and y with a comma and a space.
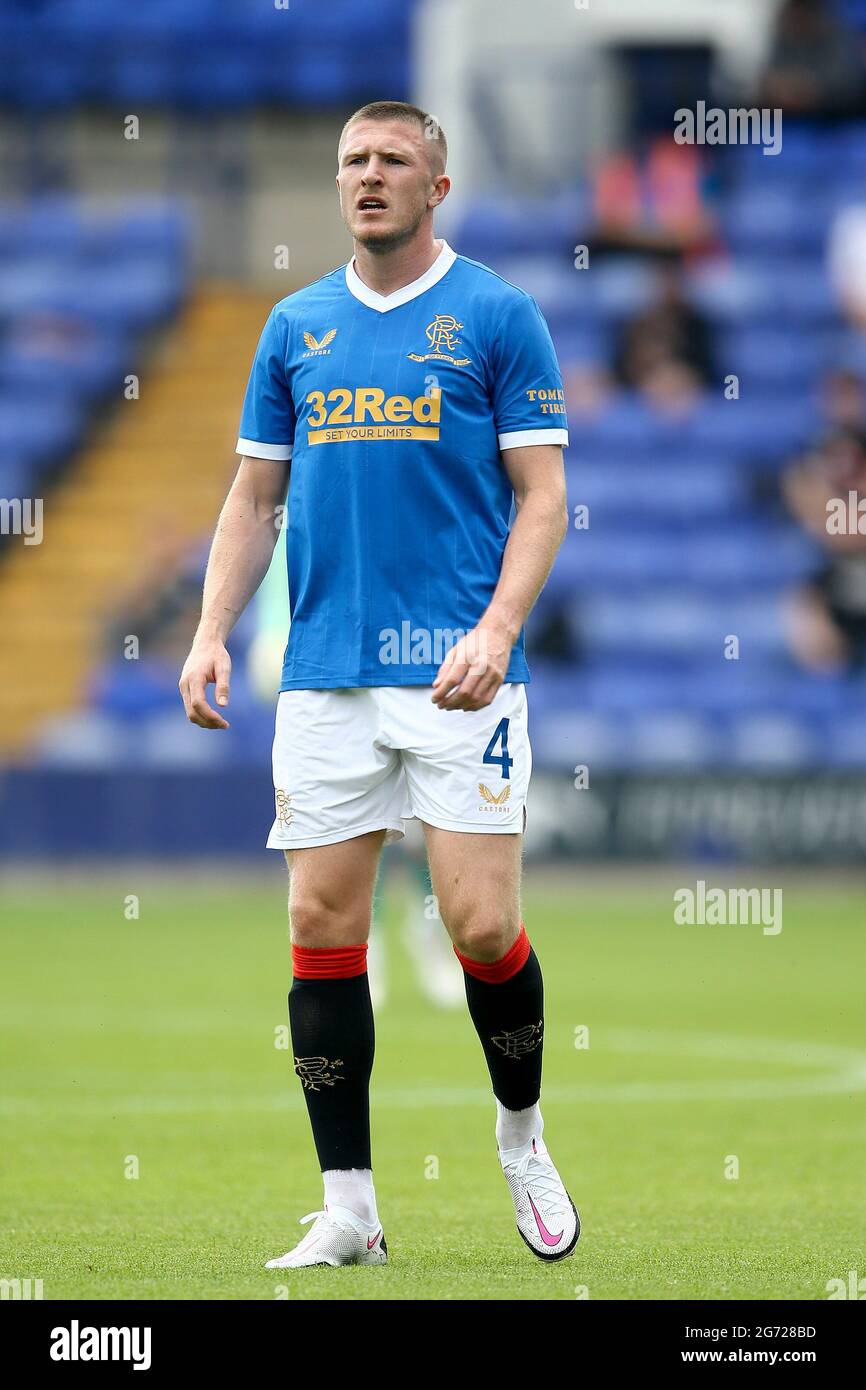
480, 660
239, 558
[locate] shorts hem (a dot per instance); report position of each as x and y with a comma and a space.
466, 827
393, 830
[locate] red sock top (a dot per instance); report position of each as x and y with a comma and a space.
323, 963
498, 971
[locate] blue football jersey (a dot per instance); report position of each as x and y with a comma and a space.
393, 410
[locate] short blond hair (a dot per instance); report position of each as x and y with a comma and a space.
402, 111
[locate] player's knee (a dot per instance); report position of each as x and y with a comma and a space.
314, 922
483, 935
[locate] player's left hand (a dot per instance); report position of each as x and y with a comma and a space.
473, 670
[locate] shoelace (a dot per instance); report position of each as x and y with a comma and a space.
311, 1216
543, 1182
340, 1225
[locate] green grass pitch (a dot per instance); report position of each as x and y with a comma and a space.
708, 1046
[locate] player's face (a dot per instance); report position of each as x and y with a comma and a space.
386, 182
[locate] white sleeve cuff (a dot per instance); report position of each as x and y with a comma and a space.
254, 450
518, 439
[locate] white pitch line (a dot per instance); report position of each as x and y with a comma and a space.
840, 1071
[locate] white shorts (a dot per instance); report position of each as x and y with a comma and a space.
350, 761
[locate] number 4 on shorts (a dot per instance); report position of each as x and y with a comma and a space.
502, 760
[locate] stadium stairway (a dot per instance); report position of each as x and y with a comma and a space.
165, 459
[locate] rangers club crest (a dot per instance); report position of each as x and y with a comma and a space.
441, 334
316, 1072
521, 1041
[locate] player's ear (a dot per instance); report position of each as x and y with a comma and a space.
441, 189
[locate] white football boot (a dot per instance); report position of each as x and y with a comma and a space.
338, 1237
547, 1218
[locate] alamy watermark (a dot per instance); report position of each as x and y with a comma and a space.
852, 1287
22, 1289
712, 907
739, 125
424, 646
846, 517
22, 516
77, 1343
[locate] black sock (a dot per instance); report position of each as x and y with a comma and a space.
333, 1041
509, 1018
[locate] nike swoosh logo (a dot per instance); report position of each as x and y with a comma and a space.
542, 1229
371, 1243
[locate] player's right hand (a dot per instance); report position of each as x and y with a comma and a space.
208, 663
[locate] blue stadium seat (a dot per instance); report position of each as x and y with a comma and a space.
204, 54
753, 426
759, 219
87, 370
38, 429
583, 344
745, 686
852, 13
608, 557
802, 299
626, 426
691, 624
165, 740
498, 226
83, 738
775, 360
131, 294
141, 76
846, 740
682, 495
670, 739
803, 157
51, 223
15, 476
567, 736
748, 556
77, 283
634, 685
850, 152
773, 740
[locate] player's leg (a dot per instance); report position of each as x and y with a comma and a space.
468, 774
476, 878
338, 791
331, 1018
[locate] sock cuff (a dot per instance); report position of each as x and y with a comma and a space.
325, 963
498, 971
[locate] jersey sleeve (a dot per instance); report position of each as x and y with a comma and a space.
528, 399
267, 429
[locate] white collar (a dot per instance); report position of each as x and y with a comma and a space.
383, 302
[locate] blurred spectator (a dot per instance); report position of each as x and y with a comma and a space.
663, 351
551, 637
827, 618
813, 68
655, 203
843, 399
588, 387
